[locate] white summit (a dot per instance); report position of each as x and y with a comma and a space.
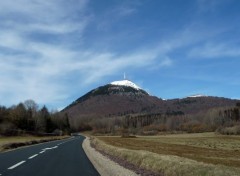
197, 95
125, 83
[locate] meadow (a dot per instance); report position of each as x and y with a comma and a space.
179, 154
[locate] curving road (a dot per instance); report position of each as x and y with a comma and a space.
58, 158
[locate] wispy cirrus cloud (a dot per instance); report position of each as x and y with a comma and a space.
33, 66
28, 60
37, 69
50, 50
215, 50
42, 78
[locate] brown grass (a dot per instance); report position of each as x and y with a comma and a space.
199, 154
6, 141
213, 149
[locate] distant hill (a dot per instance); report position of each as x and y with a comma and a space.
120, 98
196, 104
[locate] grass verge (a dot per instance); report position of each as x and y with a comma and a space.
8, 143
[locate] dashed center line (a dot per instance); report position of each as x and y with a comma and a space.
45, 149
31, 157
16, 165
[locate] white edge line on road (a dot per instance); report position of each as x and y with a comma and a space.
31, 157
16, 165
42, 151
36, 145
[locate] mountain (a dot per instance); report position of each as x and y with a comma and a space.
114, 99
124, 97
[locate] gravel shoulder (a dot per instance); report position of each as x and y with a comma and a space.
104, 165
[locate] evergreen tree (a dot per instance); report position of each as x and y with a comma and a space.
41, 120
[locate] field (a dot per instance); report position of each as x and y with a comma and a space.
202, 149
4, 141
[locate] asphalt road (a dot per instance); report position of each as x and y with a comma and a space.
58, 158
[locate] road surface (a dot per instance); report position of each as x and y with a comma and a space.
57, 158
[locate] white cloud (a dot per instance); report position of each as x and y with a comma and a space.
36, 69
26, 16
116, 13
41, 70
10, 39
166, 62
213, 50
39, 77
30, 67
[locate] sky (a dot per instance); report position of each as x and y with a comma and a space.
55, 51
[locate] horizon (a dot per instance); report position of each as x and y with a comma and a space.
54, 52
59, 109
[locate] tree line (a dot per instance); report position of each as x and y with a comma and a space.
28, 118
225, 120
222, 120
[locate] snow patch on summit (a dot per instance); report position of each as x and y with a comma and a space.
197, 95
125, 83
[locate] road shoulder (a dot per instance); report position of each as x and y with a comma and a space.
104, 165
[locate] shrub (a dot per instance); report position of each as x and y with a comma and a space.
8, 129
235, 130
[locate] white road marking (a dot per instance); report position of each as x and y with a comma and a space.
45, 149
50, 148
31, 157
16, 165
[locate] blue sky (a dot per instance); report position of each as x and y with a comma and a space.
56, 51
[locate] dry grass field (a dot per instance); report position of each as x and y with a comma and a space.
203, 150
24, 139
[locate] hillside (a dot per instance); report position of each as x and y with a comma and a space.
191, 105
124, 97
113, 100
